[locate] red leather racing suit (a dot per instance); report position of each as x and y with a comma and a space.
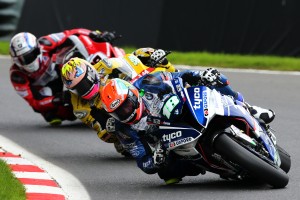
39, 88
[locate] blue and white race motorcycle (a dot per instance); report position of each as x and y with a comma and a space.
227, 139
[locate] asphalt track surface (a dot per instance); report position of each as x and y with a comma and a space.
88, 168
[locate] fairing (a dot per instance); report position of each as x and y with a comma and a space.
205, 104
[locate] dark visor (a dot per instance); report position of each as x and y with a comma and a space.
87, 83
127, 109
29, 57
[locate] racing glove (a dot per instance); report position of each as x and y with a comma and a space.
159, 156
210, 77
120, 149
118, 146
105, 36
96, 36
158, 57
107, 137
109, 36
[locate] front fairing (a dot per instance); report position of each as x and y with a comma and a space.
205, 104
106, 48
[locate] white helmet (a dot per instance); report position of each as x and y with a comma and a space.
25, 51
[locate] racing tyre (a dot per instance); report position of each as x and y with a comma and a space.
285, 159
231, 150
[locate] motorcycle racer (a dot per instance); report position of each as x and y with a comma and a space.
88, 108
35, 76
151, 100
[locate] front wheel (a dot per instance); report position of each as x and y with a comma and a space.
231, 150
285, 159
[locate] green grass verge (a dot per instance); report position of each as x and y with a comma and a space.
4, 48
220, 60
10, 187
223, 60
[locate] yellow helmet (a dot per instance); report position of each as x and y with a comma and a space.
144, 54
81, 78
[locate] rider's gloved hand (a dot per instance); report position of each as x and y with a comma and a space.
110, 36
104, 36
96, 36
118, 146
62, 98
210, 76
159, 57
107, 137
159, 157
120, 149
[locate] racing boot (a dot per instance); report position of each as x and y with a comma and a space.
52, 118
172, 181
266, 115
55, 122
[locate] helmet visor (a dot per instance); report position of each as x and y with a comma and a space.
127, 111
88, 86
32, 67
27, 58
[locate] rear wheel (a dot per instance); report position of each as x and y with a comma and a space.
231, 150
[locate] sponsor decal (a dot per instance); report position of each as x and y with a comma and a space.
144, 72
110, 125
169, 137
115, 104
45, 59
205, 112
197, 99
180, 142
205, 103
148, 96
133, 59
146, 164
80, 114
205, 106
134, 151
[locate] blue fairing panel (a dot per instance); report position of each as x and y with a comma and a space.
203, 102
173, 136
198, 103
231, 109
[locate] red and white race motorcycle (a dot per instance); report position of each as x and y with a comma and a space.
84, 47
79, 46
